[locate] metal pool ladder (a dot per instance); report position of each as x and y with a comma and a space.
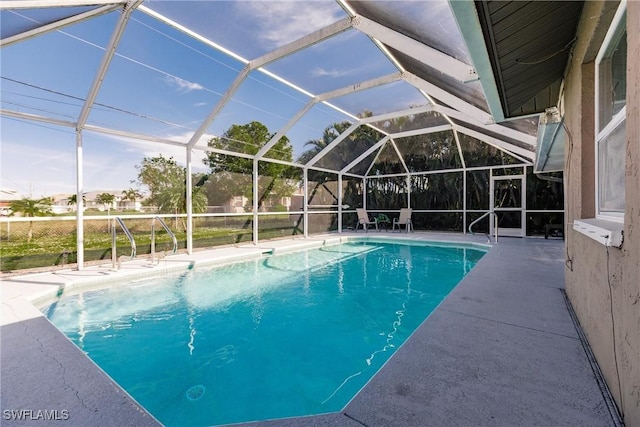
495, 227
114, 256
153, 237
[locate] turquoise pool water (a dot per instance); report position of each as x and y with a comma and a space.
287, 335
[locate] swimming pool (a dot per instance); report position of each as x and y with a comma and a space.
285, 335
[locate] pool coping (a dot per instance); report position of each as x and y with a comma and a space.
19, 294
23, 293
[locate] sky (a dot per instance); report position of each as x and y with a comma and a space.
164, 83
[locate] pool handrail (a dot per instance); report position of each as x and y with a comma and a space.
153, 237
114, 256
495, 227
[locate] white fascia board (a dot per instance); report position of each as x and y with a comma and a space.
36, 118
459, 104
303, 42
333, 143
468, 22
39, 4
58, 24
510, 149
106, 60
496, 128
427, 55
364, 155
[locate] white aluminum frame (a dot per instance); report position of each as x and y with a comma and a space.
616, 120
380, 34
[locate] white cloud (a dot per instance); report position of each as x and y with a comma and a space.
181, 84
40, 172
281, 22
152, 149
321, 72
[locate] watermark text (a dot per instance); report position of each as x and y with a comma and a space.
35, 414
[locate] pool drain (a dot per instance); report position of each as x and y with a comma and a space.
195, 392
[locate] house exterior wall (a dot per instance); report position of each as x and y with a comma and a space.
603, 283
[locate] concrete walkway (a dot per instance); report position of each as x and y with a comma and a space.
501, 350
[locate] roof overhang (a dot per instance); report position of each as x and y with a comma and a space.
520, 51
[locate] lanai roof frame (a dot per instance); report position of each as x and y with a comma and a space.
388, 39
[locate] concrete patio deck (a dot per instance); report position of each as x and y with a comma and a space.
501, 350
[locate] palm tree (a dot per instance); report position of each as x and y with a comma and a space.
31, 208
106, 199
73, 200
131, 194
174, 200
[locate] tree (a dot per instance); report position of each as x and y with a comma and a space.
131, 194
166, 181
106, 199
232, 176
31, 208
340, 156
73, 200
356, 143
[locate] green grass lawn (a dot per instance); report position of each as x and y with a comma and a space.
56, 245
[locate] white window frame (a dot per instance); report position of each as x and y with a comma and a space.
615, 121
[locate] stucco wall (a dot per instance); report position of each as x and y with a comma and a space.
603, 283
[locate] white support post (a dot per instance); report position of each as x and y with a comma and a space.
409, 191
305, 201
189, 202
491, 202
255, 202
464, 181
364, 193
524, 203
339, 203
464, 202
79, 202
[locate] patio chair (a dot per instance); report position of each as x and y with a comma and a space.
404, 219
364, 220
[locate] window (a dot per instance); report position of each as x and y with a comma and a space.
611, 88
